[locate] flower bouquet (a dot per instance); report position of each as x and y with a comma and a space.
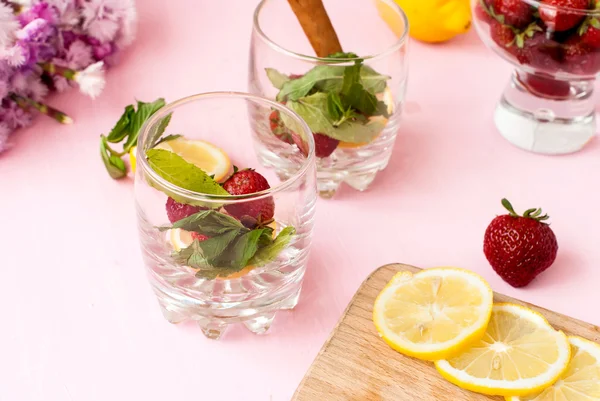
53, 45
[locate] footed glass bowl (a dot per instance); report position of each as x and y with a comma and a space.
548, 106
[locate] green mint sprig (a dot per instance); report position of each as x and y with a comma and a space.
126, 131
336, 101
230, 246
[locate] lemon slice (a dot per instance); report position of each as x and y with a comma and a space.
581, 380
388, 99
132, 159
202, 154
434, 313
519, 354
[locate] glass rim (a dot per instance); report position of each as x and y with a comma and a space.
228, 199
314, 59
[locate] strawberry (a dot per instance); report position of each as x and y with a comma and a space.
517, 13
245, 182
324, 145
177, 211
541, 52
557, 18
546, 86
199, 237
503, 35
591, 37
482, 14
580, 58
519, 247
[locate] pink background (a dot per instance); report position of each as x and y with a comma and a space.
80, 321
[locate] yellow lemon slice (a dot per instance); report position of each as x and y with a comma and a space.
520, 354
202, 154
434, 313
388, 99
132, 159
581, 380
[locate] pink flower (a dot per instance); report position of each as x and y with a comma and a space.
8, 25
14, 116
79, 55
29, 85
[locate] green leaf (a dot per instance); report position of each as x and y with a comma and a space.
277, 79
213, 249
160, 129
167, 139
343, 55
191, 256
268, 253
595, 23
208, 222
297, 88
360, 99
177, 171
144, 111
114, 164
313, 109
335, 108
369, 78
121, 128
237, 255
351, 77
358, 130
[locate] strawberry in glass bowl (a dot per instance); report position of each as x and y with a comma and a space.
548, 106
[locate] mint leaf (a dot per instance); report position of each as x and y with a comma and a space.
297, 88
342, 55
167, 139
360, 99
241, 250
335, 108
214, 248
144, 111
208, 222
313, 109
351, 77
113, 164
268, 253
277, 79
191, 256
121, 128
177, 171
369, 78
160, 129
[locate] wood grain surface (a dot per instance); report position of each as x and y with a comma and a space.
355, 364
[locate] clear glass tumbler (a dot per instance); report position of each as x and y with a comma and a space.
351, 101
549, 104
213, 257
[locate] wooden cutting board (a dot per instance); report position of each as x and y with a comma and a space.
355, 364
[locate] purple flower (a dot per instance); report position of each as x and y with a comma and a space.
14, 116
103, 18
78, 55
29, 85
39, 11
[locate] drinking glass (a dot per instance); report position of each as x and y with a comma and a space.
352, 143
207, 258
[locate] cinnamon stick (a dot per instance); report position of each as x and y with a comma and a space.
316, 26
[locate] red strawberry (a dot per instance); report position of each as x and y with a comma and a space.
519, 247
482, 14
177, 211
517, 13
557, 18
324, 145
199, 237
248, 182
546, 86
580, 58
540, 52
278, 128
591, 37
503, 35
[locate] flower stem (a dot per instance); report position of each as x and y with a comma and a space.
26, 103
54, 69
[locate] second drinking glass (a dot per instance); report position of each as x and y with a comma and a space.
351, 101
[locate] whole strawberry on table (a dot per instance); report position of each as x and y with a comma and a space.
546, 37
519, 248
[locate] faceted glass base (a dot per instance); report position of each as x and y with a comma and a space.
547, 116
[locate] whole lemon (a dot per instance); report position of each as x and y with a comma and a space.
432, 21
